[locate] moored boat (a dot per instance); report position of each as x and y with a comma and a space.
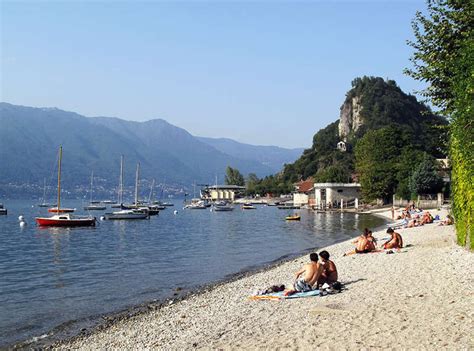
248, 206
64, 219
3, 210
128, 214
222, 207
295, 217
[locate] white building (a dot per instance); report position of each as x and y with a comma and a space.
330, 195
222, 192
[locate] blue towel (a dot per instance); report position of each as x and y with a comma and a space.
296, 295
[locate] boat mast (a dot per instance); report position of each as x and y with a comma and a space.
59, 176
44, 191
136, 183
151, 191
92, 177
121, 181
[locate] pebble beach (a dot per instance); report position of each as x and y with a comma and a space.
419, 298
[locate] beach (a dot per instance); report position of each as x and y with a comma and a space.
421, 297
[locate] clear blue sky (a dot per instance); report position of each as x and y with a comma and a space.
268, 72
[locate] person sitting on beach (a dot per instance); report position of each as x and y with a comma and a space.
372, 242
364, 243
395, 241
329, 273
308, 275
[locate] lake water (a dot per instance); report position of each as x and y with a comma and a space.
51, 276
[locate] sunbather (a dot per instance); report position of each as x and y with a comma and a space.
395, 242
448, 221
364, 243
309, 274
329, 273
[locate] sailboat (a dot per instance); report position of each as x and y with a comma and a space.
93, 204
64, 219
44, 203
127, 212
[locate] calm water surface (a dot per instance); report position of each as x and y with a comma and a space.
54, 275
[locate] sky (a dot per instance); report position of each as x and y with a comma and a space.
264, 73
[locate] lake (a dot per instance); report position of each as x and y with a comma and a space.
52, 276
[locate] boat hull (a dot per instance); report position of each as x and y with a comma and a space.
112, 216
54, 222
95, 208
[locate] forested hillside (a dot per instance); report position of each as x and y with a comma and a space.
386, 133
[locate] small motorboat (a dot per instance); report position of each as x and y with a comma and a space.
94, 207
295, 217
128, 214
248, 206
3, 210
222, 207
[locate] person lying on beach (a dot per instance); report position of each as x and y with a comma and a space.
308, 275
413, 223
448, 221
329, 273
395, 241
427, 218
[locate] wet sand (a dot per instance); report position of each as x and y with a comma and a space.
422, 297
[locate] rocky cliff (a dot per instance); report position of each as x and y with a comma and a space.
350, 119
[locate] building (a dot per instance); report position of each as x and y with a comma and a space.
342, 146
222, 192
330, 195
304, 194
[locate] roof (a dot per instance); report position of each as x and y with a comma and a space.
336, 185
304, 186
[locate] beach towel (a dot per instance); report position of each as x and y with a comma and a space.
280, 296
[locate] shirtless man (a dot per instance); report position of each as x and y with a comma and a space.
329, 274
395, 242
309, 274
364, 243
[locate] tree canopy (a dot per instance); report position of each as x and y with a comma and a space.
444, 58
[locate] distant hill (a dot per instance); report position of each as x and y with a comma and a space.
271, 156
30, 137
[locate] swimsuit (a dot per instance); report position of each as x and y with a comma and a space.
302, 286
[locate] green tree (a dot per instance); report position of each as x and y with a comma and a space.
376, 161
444, 58
234, 177
425, 179
251, 183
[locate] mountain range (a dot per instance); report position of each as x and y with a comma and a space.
30, 138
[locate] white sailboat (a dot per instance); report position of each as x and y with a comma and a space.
128, 213
93, 205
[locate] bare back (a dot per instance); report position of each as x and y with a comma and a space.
312, 272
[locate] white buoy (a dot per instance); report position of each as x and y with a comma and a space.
102, 218
21, 218
175, 212
22, 224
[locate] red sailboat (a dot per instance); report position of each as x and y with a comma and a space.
64, 219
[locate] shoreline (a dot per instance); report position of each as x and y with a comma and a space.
144, 327
430, 282
76, 329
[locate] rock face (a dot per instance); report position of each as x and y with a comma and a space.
350, 119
